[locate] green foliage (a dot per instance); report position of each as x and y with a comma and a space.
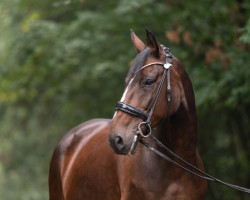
61, 60
245, 38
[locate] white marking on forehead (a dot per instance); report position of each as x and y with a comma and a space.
114, 114
124, 94
126, 91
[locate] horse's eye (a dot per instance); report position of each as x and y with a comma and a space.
148, 82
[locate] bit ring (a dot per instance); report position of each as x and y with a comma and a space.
148, 127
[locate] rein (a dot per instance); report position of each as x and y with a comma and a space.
129, 109
203, 176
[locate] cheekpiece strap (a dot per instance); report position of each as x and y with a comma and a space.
169, 56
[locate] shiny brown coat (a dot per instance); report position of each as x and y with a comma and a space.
84, 166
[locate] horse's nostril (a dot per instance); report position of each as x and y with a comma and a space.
119, 142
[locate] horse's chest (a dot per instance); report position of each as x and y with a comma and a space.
173, 191
159, 186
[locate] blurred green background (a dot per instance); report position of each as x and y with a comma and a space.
64, 62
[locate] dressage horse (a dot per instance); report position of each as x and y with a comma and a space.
102, 159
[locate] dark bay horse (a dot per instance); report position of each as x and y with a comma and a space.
84, 166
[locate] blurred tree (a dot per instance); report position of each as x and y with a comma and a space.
61, 60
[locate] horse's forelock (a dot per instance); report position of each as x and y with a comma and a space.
138, 62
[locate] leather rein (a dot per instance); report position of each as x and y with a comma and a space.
146, 117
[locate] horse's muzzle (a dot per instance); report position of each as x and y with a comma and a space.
118, 145
121, 147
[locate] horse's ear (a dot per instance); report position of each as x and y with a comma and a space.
152, 43
138, 44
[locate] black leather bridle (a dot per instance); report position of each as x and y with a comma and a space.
146, 122
146, 117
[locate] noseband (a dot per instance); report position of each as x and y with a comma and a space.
146, 117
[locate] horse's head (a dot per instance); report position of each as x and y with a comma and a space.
146, 96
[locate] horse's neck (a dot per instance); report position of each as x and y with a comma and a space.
179, 133
181, 128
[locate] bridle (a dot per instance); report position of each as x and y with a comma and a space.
146, 117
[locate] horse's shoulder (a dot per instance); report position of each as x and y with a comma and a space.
80, 134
